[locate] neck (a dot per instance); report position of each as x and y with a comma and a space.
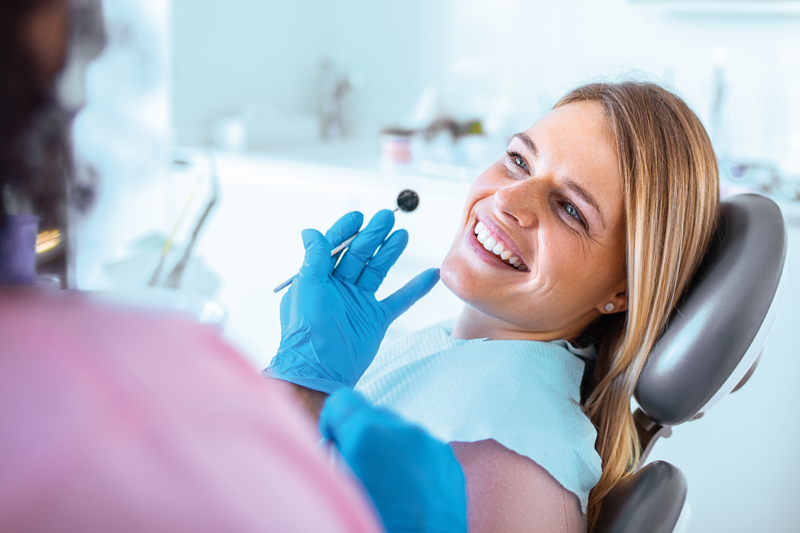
473, 324
18, 249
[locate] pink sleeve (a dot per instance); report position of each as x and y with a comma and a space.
510, 492
126, 421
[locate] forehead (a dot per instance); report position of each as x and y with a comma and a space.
575, 134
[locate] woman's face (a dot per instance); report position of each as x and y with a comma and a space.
553, 201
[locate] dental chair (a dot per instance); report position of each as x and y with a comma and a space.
710, 348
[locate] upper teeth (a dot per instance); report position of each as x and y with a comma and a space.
492, 243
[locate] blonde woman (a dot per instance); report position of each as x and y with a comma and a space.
573, 250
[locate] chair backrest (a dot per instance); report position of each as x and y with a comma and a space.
722, 323
708, 350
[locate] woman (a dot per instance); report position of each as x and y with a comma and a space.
586, 232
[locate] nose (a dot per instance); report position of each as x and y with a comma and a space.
519, 202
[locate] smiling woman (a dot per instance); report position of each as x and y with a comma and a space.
572, 252
555, 201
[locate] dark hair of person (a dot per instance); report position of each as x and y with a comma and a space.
36, 167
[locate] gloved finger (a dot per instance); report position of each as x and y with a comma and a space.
364, 246
385, 258
316, 263
340, 407
399, 302
342, 229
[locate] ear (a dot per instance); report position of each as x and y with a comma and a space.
619, 300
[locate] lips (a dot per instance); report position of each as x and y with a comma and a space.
494, 243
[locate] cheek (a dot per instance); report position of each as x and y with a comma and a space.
477, 192
453, 273
480, 190
493, 178
586, 280
460, 277
568, 275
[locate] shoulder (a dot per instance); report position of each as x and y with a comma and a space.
116, 395
511, 492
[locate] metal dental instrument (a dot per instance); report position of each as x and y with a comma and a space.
407, 201
175, 277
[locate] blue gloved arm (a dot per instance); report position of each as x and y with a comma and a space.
413, 479
331, 322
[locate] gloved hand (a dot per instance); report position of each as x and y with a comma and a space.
331, 323
413, 479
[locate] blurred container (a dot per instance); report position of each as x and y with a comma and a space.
396, 148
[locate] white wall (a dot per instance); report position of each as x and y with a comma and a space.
227, 54
505, 59
587, 39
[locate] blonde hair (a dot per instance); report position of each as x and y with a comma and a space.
671, 193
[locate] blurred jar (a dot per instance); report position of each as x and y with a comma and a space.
395, 146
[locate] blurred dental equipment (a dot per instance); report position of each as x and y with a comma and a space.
407, 201
174, 278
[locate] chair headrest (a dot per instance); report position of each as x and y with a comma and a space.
723, 321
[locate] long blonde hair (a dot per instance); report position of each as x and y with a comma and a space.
671, 193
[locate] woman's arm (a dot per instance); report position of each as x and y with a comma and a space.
509, 492
311, 400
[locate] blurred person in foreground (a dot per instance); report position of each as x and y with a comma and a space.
116, 420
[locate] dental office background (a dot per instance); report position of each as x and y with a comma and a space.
218, 130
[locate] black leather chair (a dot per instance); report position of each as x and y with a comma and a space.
710, 349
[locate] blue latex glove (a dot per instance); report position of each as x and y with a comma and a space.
331, 323
413, 479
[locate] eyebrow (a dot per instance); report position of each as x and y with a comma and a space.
528, 142
571, 185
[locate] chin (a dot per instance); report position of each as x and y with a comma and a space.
458, 281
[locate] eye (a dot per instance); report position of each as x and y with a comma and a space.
573, 212
517, 159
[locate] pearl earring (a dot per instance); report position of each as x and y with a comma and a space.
609, 307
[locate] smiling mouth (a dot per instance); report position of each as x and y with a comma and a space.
492, 243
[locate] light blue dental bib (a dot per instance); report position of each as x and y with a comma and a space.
523, 394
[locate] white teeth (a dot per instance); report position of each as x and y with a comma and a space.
491, 243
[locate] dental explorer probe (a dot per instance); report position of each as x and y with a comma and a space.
407, 201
